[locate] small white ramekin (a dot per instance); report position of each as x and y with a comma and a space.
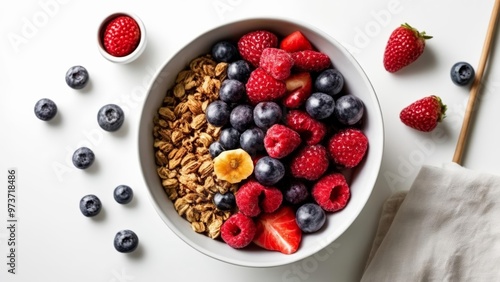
138, 50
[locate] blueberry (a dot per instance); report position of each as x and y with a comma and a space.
225, 51
83, 158
252, 140
217, 113
269, 171
310, 217
296, 193
330, 81
123, 194
110, 117
320, 105
126, 241
45, 109
241, 117
231, 91
224, 202
239, 70
229, 138
462, 73
90, 205
265, 114
349, 109
215, 149
77, 77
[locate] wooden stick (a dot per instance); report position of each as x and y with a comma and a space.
476, 84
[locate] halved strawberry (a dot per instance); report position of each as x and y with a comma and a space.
294, 42
298, 89
278, 231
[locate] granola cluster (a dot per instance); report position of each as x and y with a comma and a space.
182, 137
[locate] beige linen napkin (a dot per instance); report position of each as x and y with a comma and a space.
447, 228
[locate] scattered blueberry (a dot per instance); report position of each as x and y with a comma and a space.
90, 205
83, 157
265, 114
268, 171
231, 90
229, 138
252, 140
215, 149
126, 241
296, 193
239, 70
45, 109
123, 194
462, 73
330, 81
225, 51
241, 117
320, 105
110, 117
217, 113
310, 217
349, 109
77, 77
224, 202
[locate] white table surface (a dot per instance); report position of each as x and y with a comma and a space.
40, 40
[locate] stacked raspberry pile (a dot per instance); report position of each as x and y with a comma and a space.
289, 131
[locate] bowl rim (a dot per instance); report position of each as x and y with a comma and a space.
380, 148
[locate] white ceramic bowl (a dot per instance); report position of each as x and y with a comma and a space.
364, 177
138, 50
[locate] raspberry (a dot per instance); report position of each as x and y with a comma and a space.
281, 141
247, 198
121, 36
310, 163
309, 60
238, 231
272, 199
348, 147
253, 198
276, 62
331, 192
263, 87
253, 43
311, 130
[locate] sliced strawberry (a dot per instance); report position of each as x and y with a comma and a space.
309, 60
298, 89
294, 42
278, 231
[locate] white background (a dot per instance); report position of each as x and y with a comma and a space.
40, 40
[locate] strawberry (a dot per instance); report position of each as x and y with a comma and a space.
310, 130
348, 147
253, 43
294, 42
424, 114
298, 89
121, 36
280, 141
310, 162
276, 62
263, 87
309, 60
278, 231
404, 46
